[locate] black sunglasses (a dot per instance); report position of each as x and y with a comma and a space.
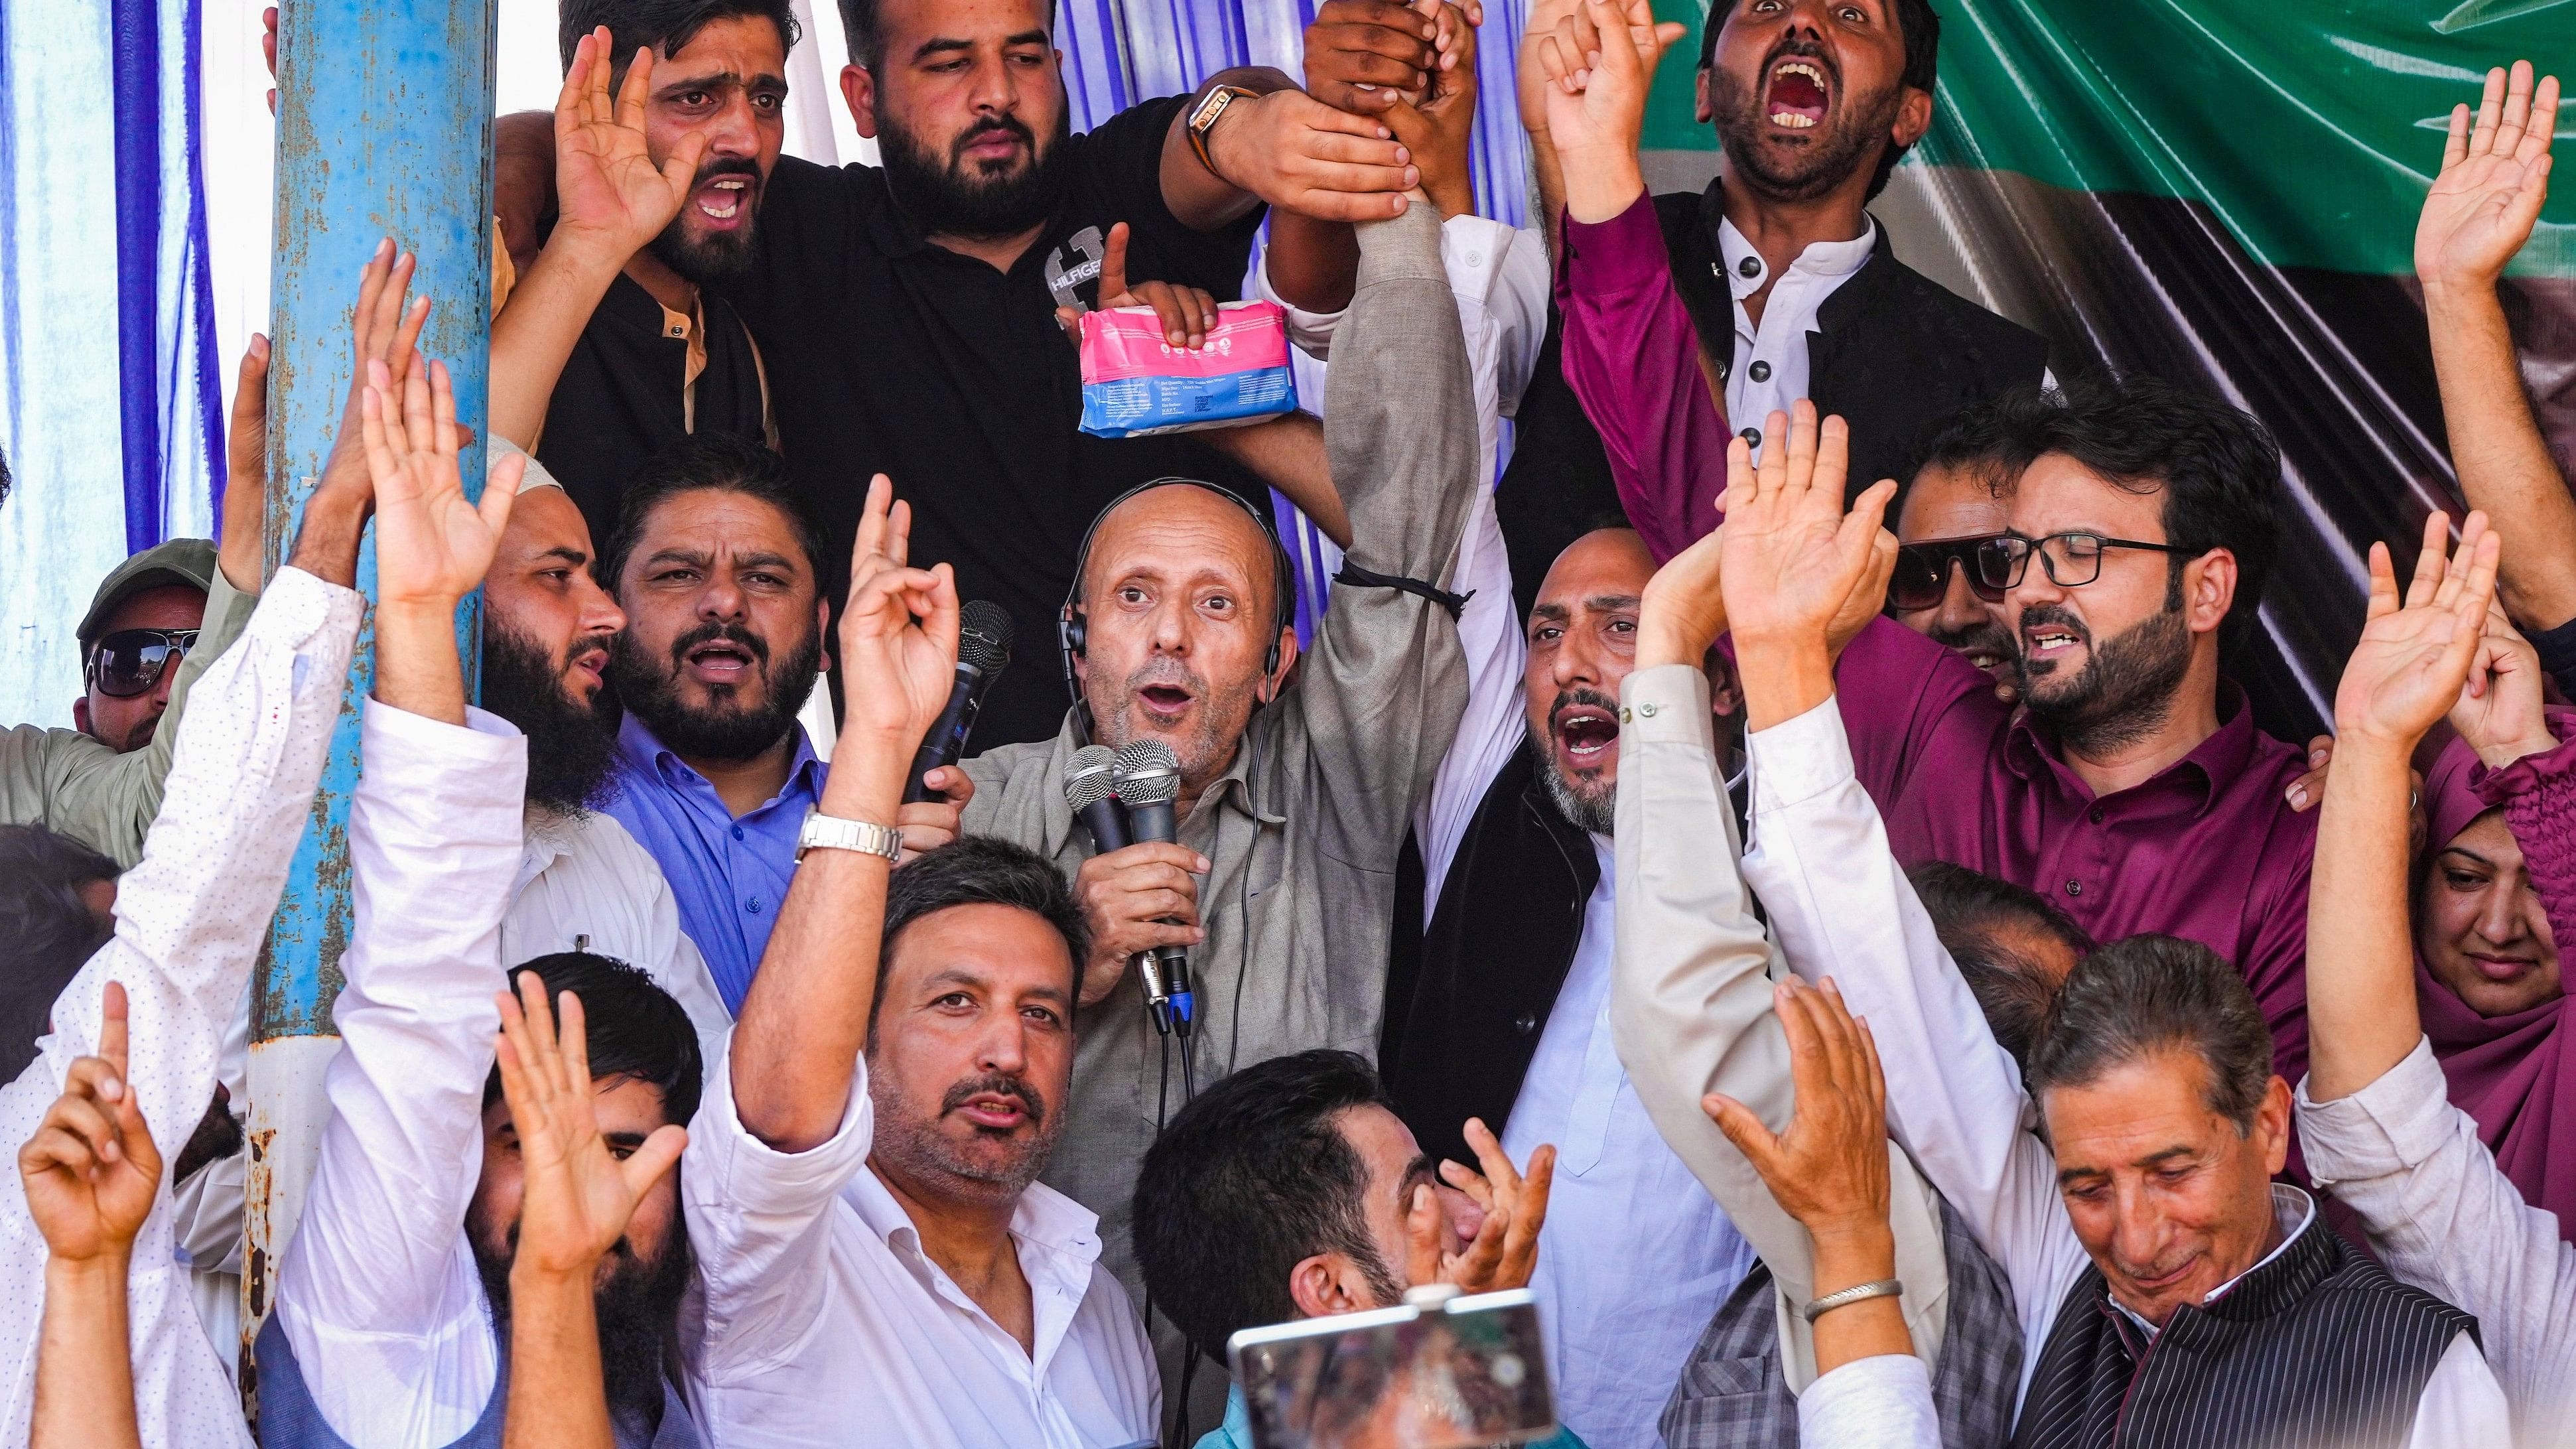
1923, 572
129, 661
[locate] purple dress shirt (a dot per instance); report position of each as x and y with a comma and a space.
2208, 849
727, 873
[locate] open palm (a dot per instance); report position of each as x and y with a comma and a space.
1792, 555
606, 181
432, 542
2413, 658
2494, 178
577, 1196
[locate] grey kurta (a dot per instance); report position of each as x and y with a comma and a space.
1303, 830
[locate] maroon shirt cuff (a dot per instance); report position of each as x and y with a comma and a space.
1622, 252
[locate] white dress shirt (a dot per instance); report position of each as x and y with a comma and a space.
190, 919
379, 1296
1769, 370
824, 1323
585, 884
2445, 1218
1635, 1257
1840, 905
1880, 1402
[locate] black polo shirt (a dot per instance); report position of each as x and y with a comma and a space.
890, 355
626, 394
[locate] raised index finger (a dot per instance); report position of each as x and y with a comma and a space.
111, 1026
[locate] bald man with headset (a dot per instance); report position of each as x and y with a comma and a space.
1297, 776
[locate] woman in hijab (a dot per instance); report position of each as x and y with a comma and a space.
2495, 896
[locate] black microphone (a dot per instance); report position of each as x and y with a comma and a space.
1149, 781
983, 651
1091, 788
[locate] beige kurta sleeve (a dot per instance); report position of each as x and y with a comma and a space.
1690, 1004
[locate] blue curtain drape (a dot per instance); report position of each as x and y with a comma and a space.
110, 401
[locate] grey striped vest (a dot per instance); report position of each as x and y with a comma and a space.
289, 1419
2317, 1349
1732, 1395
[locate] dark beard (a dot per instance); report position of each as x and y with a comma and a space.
636, 1311
724, 254
572, 746
908, 1138
649, 688
1839, 144
946, 200
2127, 687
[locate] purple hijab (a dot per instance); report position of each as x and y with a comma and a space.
2516, 1075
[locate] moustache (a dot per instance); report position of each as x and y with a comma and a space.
1006, 125
1569, 698
727, 166
995, 1085
709, 633
2042, 614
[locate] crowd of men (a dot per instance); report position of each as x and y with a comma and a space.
1789, 881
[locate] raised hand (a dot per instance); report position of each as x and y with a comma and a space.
1684, 606
2412, 664
92, 1171
577, 1195
1600, 64
1187, 313
898, 632
1829, 1170
1504, 1251
607, 184
1295, 152
2494, 178
432, 543
2500, 713
1439, 126
1792, 557
246, 472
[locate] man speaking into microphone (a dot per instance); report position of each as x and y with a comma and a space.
1297, 777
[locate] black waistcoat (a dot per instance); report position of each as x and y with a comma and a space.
1468, 997
2317, 1349
1897, 352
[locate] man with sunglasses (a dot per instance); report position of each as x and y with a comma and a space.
144, 620
2132, 789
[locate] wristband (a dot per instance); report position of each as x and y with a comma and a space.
828, 832
1857, 1293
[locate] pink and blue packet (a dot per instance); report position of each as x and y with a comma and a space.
1135, 384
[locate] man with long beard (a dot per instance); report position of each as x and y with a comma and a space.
392, 1305
610, 348
1775, 283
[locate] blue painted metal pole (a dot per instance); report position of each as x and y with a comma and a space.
384, 129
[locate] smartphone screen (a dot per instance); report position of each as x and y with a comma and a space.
1454, 1376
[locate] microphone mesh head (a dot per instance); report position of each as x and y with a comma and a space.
1090, 778
984, 631
1148, 774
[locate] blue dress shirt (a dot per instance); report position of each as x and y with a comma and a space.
727, 873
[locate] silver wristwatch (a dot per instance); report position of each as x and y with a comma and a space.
830, 832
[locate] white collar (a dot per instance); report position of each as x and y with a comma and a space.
1820, 259
2292, 1211
1065, 1233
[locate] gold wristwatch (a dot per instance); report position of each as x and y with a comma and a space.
1203, 119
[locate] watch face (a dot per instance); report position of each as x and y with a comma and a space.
1210, 108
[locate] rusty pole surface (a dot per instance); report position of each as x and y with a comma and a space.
384, 129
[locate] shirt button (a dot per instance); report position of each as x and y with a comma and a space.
1649, 709
2094, 814
1475, 259
737, 832
1749, 267
753, 905
1760, 371
1752, 437
2075, 888
1525, 1023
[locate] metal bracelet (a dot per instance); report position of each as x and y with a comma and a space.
1858, 1292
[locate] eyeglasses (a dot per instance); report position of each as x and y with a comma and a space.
2071, 559
1923, 572
129, 661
